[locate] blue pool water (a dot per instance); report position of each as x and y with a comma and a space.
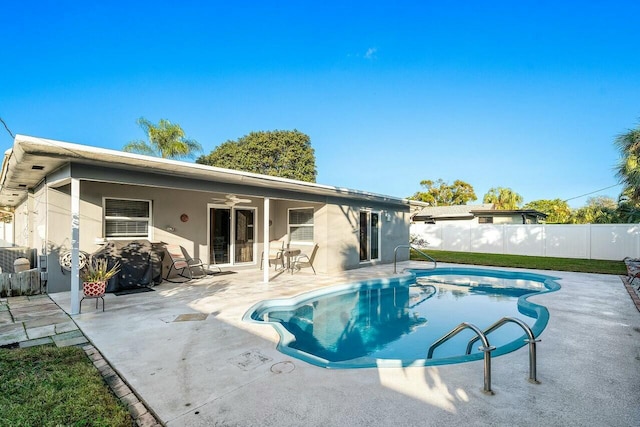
393, 322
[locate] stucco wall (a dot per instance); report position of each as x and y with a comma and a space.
21, 228
39, 218
336, 227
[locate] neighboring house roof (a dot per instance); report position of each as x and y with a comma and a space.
461, 212
449, 212
31, 159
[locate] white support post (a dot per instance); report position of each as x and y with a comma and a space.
75, 246
265, 244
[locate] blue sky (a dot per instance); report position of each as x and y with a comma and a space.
522, 94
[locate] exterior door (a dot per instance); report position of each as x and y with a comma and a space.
369, 236
231, 235
220, 235
244, 231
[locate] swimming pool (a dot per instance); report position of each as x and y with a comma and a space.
393, 322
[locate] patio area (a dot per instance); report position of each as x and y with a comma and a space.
187, 353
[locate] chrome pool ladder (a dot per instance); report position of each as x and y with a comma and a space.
395, 256
486, 348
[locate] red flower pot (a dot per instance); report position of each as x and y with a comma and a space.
94, 289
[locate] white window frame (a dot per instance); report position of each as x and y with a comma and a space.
301, 242
105, 218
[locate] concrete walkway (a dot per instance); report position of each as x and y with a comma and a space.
186, 352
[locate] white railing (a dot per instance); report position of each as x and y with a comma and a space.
588, 241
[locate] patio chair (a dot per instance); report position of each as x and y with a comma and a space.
633, 269
305, 259
275, 254
182, 262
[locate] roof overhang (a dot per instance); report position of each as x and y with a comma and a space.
31, 159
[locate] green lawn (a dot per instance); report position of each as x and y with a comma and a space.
51, 386
530, 262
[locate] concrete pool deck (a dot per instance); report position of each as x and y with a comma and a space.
187, 353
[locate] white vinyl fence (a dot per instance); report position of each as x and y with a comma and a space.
588, 241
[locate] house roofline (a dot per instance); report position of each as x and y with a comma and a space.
29, 148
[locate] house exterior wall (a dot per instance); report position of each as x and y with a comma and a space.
336, 224
21, 228
513, 219
39, 218
508, 219
6, 233
343, 222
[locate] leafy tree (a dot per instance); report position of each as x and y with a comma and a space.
628, 210
440, 193
598, 210
503, 198
628, 169
166, 140
287, 154
558, 211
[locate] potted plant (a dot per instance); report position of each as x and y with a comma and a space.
95, 277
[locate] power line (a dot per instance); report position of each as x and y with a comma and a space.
593, 192
7, 128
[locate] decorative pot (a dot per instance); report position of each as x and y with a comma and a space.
94, 289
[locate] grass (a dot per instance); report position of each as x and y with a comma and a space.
51, 386
529, 262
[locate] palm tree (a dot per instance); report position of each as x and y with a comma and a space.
503, 198
166, 140
628, 170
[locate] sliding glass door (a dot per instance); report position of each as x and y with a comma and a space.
231, 235
244, 235
369, 236
220, 235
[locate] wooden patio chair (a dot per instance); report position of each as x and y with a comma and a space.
182, 262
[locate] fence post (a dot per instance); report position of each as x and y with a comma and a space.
5, 284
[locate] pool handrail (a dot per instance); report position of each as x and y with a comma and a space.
395, 256
531, 340
486, 348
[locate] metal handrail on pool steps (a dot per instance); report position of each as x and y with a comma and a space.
395, 256
487, 348
531, 340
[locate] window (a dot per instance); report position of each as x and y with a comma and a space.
127, 218
485, 220
301, 225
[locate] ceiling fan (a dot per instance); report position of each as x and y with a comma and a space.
231, 200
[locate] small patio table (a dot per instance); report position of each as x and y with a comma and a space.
290, 253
